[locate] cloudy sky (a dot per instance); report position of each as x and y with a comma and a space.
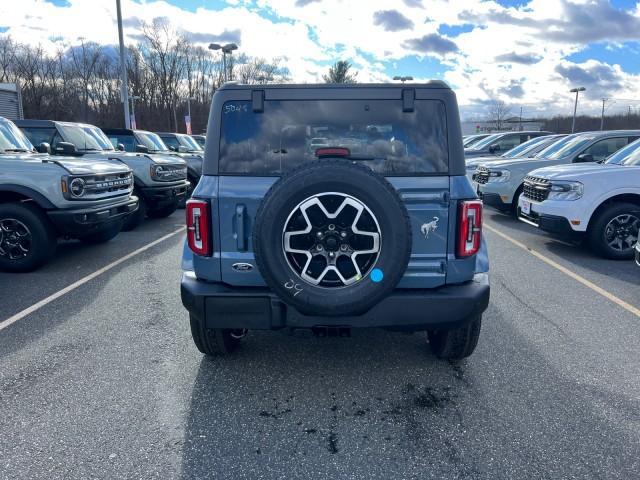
528, 53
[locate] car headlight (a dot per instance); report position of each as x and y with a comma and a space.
77, 187
499, 175
560, 190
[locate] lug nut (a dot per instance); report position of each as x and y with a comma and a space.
343, 248
343, 234
319, 248
332, 227
331, 254
319, 234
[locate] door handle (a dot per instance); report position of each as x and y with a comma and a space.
241, 237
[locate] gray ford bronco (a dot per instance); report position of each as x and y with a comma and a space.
44, 197
334, 207
160, 180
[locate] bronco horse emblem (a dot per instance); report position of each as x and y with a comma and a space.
427, 228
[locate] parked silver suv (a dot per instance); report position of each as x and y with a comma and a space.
44, 197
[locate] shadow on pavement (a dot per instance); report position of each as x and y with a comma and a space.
380, 406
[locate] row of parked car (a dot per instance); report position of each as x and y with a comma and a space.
85, 183
583, 187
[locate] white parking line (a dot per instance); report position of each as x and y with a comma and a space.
609, 296
27, 311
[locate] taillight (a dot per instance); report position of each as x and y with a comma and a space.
198, 227
469, 228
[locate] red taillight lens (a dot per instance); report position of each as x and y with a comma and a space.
198, 227
469, 228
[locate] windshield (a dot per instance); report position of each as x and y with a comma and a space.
152, 141
525, 148
190, 143
472, 140
485, 142
627, 156
566, 147
85, 137
12, 139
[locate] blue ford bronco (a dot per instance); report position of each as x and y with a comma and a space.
334, 207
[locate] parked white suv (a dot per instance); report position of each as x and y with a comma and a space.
500, 183
598, 201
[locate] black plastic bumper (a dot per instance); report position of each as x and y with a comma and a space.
552, 224
447, 307
158, 197
494, 200
79, 222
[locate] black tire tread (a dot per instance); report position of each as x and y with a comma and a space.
458, 343
596, 230
212, 342
41, 227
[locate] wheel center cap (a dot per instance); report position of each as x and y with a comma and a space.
331, 243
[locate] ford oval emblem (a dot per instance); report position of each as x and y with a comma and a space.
242, 267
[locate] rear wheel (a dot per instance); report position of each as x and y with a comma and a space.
27, 238
455, 344
215, 342
136, 218
614, 232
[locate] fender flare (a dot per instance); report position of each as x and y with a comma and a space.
37, 197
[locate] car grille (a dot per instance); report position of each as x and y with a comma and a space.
173, 173
104, 185
536, 188
482, 175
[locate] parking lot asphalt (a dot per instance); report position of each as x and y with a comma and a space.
104, 382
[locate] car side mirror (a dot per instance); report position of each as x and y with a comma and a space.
120, 147
44, 147
173, 149
583, 158
494, 148
182, 149
66, 148
142, 149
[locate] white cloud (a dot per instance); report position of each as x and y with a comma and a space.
496, 58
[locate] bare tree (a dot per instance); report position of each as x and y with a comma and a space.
499, 111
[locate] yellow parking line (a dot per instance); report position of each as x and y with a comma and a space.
609, 296
36, 306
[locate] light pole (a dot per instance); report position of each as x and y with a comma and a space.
403, 78
575, 106
133, 98
123, 68
187, 120
228, 48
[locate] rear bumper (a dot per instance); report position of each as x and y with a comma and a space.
79, 222
161, 196
447, 307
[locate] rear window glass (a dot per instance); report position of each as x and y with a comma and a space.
376, 132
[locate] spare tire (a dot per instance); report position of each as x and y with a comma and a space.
332, 238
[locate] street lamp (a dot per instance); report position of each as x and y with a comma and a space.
403, 78
134, 123
228, 48
575, 106
124, 89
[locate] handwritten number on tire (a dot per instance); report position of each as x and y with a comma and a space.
295, 287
